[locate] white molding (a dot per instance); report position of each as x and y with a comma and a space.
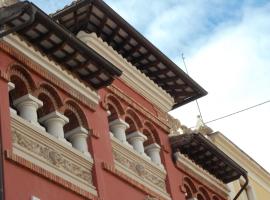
131, 75
255, 171
52, 68
140, 169
201, 175
52, 155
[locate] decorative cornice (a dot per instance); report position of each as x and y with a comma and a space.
131, 75
46, 151
118, 173
39, 63
255, 171
139, 168
200, 174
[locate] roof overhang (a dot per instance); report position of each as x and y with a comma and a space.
43, 33
204, 153
96, 16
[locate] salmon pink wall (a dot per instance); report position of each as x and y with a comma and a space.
21, 183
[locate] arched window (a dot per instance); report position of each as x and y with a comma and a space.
190, 188
76, 130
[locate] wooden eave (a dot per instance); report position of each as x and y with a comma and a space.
96, 16
60, 45
208, 156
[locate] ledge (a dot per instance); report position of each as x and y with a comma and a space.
41, 171
139, 169
131, 75
45, 151
111, 169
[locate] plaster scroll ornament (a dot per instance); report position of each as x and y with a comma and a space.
202, 128
175, 126
186, 130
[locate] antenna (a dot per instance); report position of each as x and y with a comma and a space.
197, 103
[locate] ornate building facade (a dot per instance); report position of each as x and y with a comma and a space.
259, 178
84, 112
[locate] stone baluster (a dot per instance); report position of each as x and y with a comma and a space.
136, 139
27, 106
78, 138
54, 123
11, 86
118, 128
153, 151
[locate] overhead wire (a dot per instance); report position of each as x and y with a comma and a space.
239, 111
198, 106
225, 116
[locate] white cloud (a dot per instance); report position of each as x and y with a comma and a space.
234, 67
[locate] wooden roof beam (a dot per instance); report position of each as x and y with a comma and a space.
24, 30
132, 50
153, 73
135, 60
55, 48
175, 86
83, 65
91, 75
153, 64
183, 93
69, 57
122, 44
102, 24
104, 84
42, 37
167, 79
88, 15
114, 33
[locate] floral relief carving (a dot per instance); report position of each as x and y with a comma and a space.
140, 170
175, 125
51, 156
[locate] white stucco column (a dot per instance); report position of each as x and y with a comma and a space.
11, 86
54, 123
232, 192
136, 139
153, 151
250, 193
27, 106
118, 128
78, 138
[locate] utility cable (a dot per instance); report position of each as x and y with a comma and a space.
239, 111
183, 58
225, 116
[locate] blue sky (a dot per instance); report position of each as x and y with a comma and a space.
227, 50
